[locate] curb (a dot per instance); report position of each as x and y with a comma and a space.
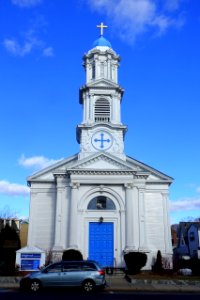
128, 284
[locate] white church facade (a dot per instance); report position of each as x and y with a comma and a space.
100, 201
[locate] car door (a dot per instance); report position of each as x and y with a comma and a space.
51, 276
72, 274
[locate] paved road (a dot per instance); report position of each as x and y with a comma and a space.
10, 294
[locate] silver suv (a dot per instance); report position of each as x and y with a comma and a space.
86, 274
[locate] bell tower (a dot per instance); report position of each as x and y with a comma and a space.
101, 129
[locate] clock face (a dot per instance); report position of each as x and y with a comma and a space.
102, 140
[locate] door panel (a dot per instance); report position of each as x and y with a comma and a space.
52, 276
101, 243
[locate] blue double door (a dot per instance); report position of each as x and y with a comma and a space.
101, 243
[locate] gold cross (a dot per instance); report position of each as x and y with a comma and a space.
102, 26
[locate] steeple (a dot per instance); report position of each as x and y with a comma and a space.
101, 128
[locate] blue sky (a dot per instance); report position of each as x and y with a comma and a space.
41, 47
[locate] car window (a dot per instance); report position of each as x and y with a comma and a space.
89, 267
54, 268
71, 267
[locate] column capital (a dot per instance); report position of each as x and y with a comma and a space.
165, 194
128, 185
75, 185
61, 180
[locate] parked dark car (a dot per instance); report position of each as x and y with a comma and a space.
86, 274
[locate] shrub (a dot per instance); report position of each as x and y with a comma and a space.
72, 254
135, 261
195, 264
158, 266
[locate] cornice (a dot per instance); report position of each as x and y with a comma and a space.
106, 172
97, 86
95, 50
103, 124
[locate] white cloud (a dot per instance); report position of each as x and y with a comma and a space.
172, 5
48, 52
26, 3
36, 162
132, 18
198, 189
30, 42
17, 49
13, 189
185, 205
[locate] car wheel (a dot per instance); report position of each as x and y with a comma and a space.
88, 286
35, 286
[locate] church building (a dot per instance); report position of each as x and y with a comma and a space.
100, 201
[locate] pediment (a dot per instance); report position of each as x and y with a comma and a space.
106, 162
102, 161
103, 83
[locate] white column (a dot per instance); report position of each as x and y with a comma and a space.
66, 215
116, 109
73, 216
143, 235
84, 109
132, 222
90, 107
96, 68
113, 111
167, 233
136, 228
129, 217
118, 104
108, 69
116, 72
58, 238
87, 108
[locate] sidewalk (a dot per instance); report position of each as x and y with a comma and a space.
120, 283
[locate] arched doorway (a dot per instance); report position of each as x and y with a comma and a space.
101, 233
102, 223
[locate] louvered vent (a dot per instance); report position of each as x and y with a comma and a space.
102, 110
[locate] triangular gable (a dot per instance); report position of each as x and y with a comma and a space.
102, 161
102, 83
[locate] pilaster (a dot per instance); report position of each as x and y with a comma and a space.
73, 216
167, 233
61, 186
132, 227
143, 243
